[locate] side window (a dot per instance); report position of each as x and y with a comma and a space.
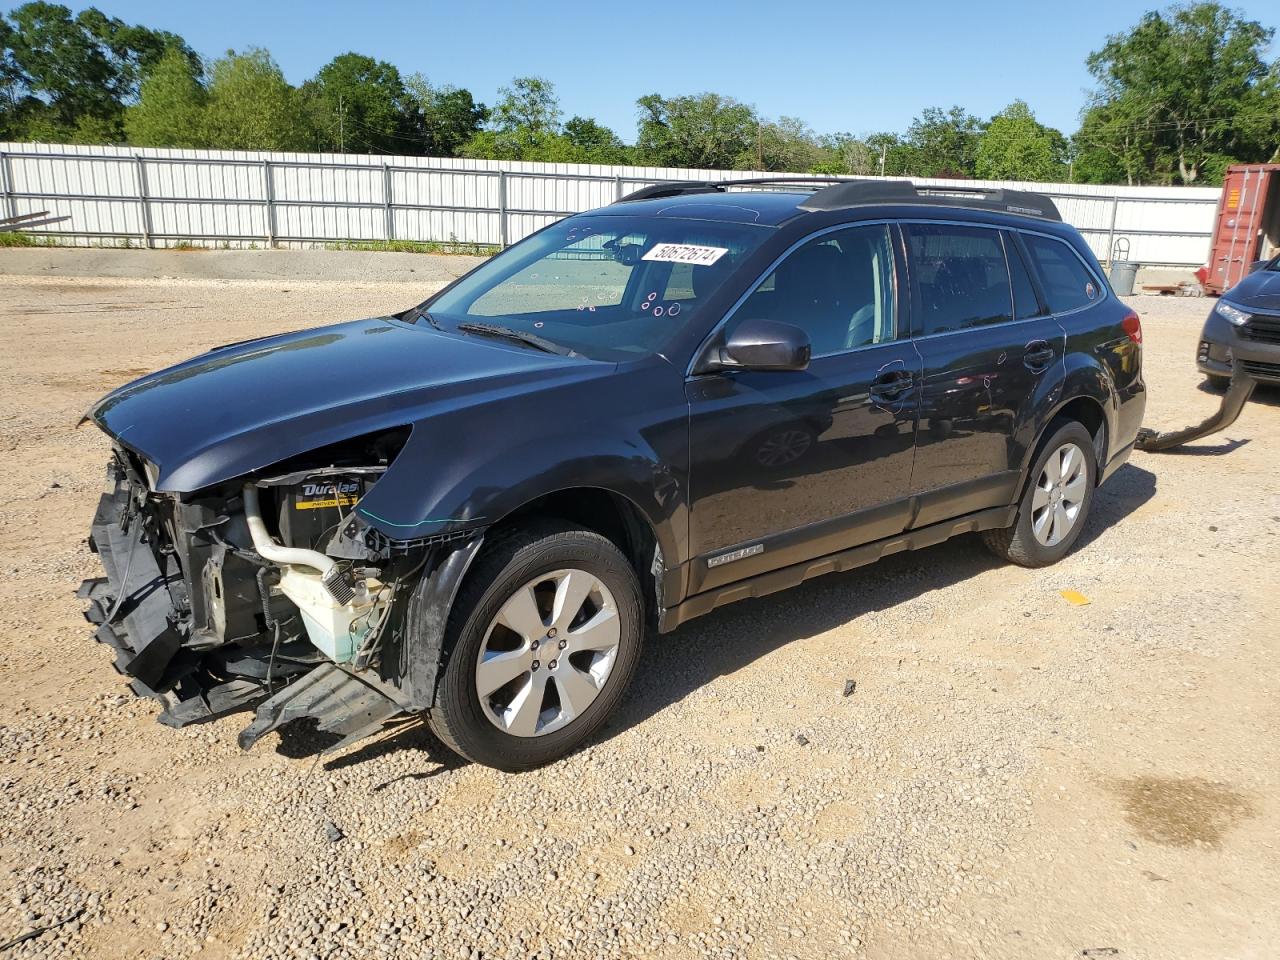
960, 276
837, 287
1025, 303
1068, 284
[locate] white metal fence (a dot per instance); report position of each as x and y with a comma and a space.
162, 198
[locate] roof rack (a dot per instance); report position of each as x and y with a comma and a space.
841, 193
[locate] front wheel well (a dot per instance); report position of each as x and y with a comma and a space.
612, 516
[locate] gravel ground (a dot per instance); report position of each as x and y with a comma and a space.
1013, 776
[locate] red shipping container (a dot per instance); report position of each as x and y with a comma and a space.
1247, 227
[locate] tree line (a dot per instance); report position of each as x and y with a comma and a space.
1178, 97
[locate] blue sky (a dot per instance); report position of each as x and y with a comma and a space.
851, 66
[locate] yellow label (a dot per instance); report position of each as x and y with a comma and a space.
321, 504
1233, 199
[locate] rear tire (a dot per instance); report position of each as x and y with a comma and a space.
1055, 505
542, 643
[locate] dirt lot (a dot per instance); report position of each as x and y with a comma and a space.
1014, 776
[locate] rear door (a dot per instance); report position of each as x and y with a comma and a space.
786, 466
990, 353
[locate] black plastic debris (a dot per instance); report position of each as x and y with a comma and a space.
802, 739
849, 687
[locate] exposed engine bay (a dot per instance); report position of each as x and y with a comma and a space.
270, 592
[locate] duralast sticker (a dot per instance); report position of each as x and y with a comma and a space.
318, 496
685, 253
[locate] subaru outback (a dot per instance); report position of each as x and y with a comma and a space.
475, 510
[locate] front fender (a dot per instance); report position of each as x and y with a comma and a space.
467, 471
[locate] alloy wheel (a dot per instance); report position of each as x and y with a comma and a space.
548, 653
1059, 495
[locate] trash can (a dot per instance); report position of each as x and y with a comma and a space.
1123, 275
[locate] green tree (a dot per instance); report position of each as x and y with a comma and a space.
170, 108
70, 77
707, 130
358, 103
786, 144
524, 125
252, 107
593, 142
442, 118
1016, 146
943, 143
1183, 89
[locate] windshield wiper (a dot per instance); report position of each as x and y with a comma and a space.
517, 336
414, 314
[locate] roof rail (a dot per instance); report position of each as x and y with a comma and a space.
841, 193
858, 193
674, 188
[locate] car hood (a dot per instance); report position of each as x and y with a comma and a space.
249, 405
1260, 289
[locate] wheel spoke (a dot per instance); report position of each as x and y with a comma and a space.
1053, 468
1041, 522
1040, 498
497, 669
1061, 523
571, 594
1070, 462
1074, 491
521, 614
521, 715
577, 690
601, 632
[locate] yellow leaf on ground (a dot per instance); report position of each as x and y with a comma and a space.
1075, 598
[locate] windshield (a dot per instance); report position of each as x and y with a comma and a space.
609, 288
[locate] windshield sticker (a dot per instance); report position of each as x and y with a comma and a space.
685, 253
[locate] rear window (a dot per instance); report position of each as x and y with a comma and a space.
1068, 284
960, 277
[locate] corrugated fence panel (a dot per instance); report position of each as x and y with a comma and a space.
241, 198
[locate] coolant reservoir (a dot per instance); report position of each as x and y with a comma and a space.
336, 629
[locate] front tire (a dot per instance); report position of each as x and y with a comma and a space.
542, 643
1055, 505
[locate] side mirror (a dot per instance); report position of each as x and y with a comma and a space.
1257, 265
765, 345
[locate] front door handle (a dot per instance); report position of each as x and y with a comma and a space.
1038, 356
891, 385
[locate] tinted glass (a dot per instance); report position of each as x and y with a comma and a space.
1025, 303
837, 287
960, 277
1067, 284
606, 287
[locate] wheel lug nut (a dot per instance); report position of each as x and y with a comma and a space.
535, 664
551, 634
552, 664
563, 644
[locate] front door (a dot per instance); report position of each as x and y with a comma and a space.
990, 352
787, 466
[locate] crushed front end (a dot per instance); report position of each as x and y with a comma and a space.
269, 592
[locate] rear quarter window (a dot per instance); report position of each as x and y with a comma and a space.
1068, 284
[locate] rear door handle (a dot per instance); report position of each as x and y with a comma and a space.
891, 385
1038, 356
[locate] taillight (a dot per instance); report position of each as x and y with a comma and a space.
1133, 327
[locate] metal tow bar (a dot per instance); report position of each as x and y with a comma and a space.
1238, 393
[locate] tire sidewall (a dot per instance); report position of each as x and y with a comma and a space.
480, 739
1042, 555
